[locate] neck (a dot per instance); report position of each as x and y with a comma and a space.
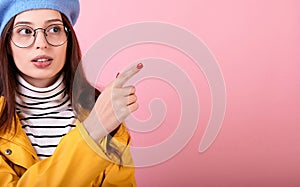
40, 83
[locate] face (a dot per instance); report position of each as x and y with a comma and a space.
40, 63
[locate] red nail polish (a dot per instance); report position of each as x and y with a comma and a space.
117, 74
140, 66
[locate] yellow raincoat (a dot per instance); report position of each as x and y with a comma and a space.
77, 161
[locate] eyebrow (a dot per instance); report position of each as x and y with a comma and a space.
30, 23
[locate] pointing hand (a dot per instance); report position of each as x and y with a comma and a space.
114, 104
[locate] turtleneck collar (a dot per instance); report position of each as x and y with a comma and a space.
46, 114
27, 94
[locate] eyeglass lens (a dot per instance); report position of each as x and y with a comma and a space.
24, 36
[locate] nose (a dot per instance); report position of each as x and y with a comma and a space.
40, 40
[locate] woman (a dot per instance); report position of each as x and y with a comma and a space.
50, 135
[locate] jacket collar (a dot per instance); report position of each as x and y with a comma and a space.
16, 138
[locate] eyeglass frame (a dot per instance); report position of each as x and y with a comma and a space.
66, 29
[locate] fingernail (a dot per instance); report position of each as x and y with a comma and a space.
140, 66
117, 74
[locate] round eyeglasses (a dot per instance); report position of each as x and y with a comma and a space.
24, 36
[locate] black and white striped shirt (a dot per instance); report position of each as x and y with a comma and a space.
46, 114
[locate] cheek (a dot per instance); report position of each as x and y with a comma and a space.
18, 54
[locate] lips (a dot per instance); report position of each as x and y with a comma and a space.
42, 61
42, 58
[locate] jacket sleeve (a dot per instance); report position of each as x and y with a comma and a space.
120, 174
77, 161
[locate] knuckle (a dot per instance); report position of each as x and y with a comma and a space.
134, 98
135, 107
133, 89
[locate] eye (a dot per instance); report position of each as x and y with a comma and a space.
55, 29
24, 30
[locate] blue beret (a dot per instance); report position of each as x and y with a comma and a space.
10, 8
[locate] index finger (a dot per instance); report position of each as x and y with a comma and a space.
127, 74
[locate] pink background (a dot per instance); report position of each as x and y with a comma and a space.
256, 44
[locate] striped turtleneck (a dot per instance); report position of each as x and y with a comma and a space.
46, 114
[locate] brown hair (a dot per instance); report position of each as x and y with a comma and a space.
8, 84
72, 66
